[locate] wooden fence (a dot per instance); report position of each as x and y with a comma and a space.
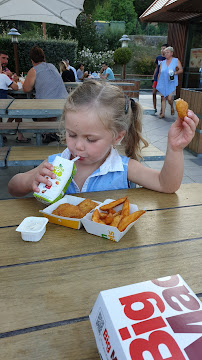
194, 99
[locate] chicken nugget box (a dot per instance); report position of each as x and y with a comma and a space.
107, 231
152, 320
73, 223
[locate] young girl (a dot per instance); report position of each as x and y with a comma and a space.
97, 116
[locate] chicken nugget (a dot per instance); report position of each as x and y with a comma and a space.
182, 108
68, 210
58, 209
87, 205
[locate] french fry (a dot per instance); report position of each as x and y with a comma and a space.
129, 219
103, 215
117, 213
116, 220
101, 222
109, 219
112, 211
113, 204
96, 216
125, 208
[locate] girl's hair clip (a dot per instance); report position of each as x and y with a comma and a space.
126, 104
132, 101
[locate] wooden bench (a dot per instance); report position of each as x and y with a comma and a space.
31, 155
7, 128
39, 128
3, 155
34, 155
150, 153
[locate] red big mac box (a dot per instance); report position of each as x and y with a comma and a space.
154, 320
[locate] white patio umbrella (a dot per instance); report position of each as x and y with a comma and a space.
62, 12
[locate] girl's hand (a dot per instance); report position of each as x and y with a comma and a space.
41, 175
182, 132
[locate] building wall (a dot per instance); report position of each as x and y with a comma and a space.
177, 38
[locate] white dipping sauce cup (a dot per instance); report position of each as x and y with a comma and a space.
32, 228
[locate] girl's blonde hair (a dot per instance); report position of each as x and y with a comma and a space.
114, 109
63, 66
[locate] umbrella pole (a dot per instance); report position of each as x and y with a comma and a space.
44, 30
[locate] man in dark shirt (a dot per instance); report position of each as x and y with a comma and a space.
158, 62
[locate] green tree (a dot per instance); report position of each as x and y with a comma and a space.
140, 6
116, 10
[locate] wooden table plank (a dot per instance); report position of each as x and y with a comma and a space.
39, 125
188, 194
55, 343
43, 293
4, 103
5, 127
27, 104
36, 107
73, 341
59, 241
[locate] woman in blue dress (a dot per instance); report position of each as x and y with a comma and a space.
168, 79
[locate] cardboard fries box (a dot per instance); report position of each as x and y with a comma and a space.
65, 221
153, 320
107, 231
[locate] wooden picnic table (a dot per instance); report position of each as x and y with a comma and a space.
48, 288
4, 104
36, 108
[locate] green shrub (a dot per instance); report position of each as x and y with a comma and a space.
122, 55
54, 50
144, 66
93, 61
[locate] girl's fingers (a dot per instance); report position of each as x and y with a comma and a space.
43, 179
192, 116
35, 188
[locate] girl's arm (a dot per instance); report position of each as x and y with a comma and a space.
29, 80
24, 183
170, 177
14, 86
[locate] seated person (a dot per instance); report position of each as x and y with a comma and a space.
67, 74
5, 83
81, 74
106, 72
48, 84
